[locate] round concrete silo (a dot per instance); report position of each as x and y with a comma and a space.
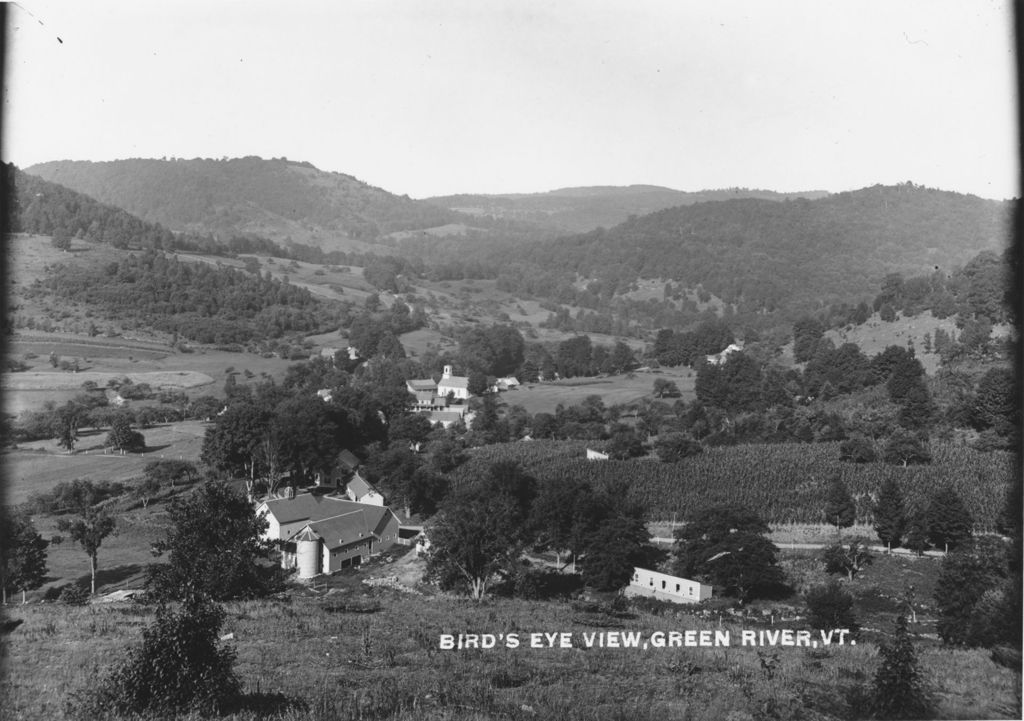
307, 553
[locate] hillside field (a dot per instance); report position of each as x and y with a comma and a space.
613, 390
40, 465
385, 664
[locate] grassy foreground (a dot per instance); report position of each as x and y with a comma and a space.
357, 653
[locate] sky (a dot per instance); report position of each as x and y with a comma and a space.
436, 97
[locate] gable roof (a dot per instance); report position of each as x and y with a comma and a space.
454, 382
349, 460
360, 486
309, 507
356, 522
421, 384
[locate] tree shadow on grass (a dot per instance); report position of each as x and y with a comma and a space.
153, 449
106, 577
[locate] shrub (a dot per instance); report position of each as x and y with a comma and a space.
830, 606
180, 667
74, 595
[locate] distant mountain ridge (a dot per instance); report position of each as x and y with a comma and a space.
766, 256
581, 209
278, 199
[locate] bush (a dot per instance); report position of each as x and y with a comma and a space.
74, 595
830, 606
180, 667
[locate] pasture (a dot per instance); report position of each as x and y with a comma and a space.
201, 372
39, 466
613, 390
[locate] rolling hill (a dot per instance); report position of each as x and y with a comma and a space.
764, 256
277, 199
578, 210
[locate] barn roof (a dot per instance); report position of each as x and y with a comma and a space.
356, 522
307, 506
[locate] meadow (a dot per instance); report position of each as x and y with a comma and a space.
38, 466
613, 390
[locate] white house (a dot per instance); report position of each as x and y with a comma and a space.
720, 358
593, 455
458, 386
360, 491
666, 588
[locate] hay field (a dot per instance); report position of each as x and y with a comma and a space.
543, 397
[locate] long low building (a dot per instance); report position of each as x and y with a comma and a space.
324, 534
666, 588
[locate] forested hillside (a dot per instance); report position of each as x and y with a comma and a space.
278, 199
579, 210
764, 256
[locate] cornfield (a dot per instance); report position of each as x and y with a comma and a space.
785, 483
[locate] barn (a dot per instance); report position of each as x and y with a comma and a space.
324, 534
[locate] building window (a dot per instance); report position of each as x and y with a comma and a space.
662, 585
677, 588
691, 590
652, 581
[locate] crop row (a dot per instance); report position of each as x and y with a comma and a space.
786, 483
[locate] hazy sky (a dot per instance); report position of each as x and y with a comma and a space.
430, 97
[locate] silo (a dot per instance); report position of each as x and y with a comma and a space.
307, 553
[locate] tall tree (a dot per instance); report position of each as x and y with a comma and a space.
840, 510
481, 530
214, 547
615, 549
806, 333
890, 517
727, 546
971, 594
949, 521
89, 530
22, 555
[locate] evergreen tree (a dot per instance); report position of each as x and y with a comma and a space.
917, 532
899, 689
971, 595
890, 518
949, 522
840, 510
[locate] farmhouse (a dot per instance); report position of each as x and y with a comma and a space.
360, 491
458, 386
324, 534
666, 588
593, 455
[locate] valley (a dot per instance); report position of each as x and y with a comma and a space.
701, 358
